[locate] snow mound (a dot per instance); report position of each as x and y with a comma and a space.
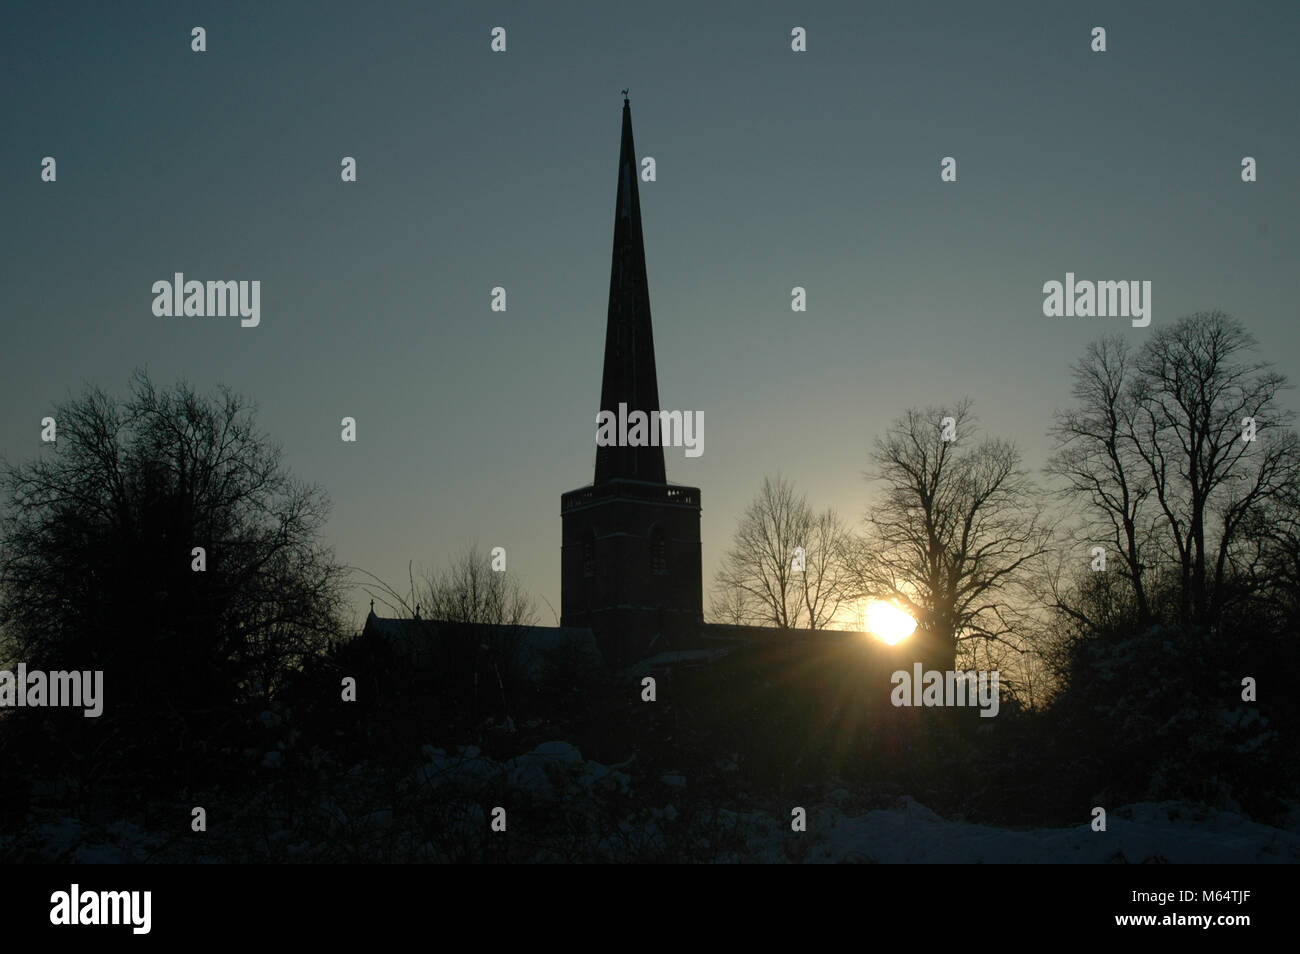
1175, 832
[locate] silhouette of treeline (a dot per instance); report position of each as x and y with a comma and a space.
222, 687
1180, 461
104, 534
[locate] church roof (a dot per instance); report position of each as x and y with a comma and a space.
401, 629
629, 375
418, 638
730, 631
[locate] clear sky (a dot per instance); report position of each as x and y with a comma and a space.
478, 169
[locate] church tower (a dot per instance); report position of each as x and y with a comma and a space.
630, 554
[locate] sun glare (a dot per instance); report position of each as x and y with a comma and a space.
888, 622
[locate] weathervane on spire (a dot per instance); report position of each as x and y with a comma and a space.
624, 96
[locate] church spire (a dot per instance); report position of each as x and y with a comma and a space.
629, 376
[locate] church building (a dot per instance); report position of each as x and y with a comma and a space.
630, 556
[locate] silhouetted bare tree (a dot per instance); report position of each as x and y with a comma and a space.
954, 532
729, 604
1177, 451
468, 590
786, 566
1094, 455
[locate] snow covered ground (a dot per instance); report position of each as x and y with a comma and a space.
555, 777
1175, 832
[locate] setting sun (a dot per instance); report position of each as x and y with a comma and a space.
887, 621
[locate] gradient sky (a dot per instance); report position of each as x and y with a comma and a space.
478, 169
